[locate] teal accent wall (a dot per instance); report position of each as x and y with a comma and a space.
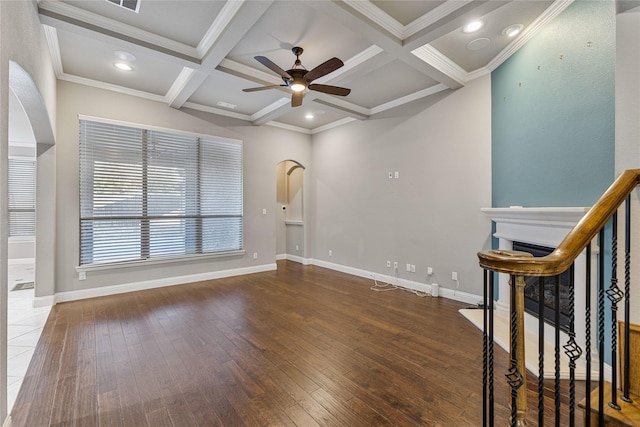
553, 112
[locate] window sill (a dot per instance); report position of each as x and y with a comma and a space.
294, 222
155, 261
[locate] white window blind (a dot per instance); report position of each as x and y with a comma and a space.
147, 194
22, 197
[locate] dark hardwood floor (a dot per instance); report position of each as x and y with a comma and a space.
303, 346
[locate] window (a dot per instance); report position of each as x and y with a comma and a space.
148, 194
22, 197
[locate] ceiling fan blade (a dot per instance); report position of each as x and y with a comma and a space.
255, 89
323, 69
331, 90
296, 99
272, 66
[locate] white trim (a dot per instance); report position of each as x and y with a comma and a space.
287, 222
218, 111
179, 84
153, 261
332, 125
288, 127
7, 421
224, 17
442, 63
51, 8
280, 257
232, 67
351, 63
409, 98
299, 259
556, 8
148, 284
270, 108
20, 261
433, 16
156, 128
403, 283
108, 86
51, 34
377, 15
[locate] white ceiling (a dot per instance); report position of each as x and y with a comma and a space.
194, 54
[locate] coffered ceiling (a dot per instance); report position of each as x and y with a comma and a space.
200, 54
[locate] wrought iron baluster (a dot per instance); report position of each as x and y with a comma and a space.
491, 345
615, 296
485, 354
541, 351
572, 350
514, 375
627, 298
587, 345
601, 328
556, 393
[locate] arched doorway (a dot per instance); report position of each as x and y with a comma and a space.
290, 229
28, 111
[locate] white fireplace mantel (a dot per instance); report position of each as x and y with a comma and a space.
544, 226
541, 226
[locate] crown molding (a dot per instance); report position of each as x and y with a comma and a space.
218, 111
226, 15
433, 16
288, 127
51, 35
65, 12
377, 15
179, 84
408, 98
332, 125
442, 63
556, 8
111, 87
270, 109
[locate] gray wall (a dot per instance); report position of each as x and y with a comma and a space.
264, 148
430, 215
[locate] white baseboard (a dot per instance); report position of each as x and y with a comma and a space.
404, 283
280, 257
299, 259
147, 284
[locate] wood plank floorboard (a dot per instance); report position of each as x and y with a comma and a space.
300, 346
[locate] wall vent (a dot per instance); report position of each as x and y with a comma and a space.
132, 5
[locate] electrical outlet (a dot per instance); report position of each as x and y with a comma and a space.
395, 265
297, 248
388, 264
264, 211
255, 255
429, 271
454, 275
413, 268
409, 267
330, 252
396, 174
82, 275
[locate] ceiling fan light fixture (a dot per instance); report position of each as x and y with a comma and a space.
472, 27
298, 86
512, 30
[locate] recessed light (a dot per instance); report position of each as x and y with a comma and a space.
472, 26
309, 116
122, 66
512, 30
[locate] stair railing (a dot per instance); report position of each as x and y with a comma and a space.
521, 265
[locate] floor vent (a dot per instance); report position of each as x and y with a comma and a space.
132, 5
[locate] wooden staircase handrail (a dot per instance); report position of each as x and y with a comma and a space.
573, 244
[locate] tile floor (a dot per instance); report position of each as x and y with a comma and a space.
25, 324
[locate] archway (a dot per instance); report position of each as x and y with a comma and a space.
33, 112
290, 229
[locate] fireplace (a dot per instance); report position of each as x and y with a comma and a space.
532, 287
